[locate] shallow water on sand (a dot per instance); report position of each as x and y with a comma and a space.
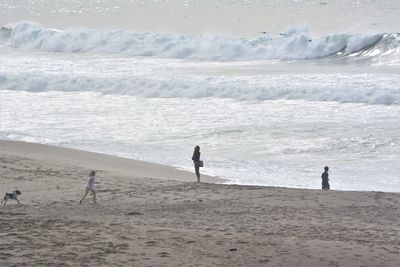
267, 108
279, 143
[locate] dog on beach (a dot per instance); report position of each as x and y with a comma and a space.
14, 195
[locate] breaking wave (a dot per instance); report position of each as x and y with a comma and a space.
294, 44
376, 89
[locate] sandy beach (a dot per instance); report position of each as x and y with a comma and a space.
153, 215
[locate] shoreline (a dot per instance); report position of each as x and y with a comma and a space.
99, 162
124, 167
144, 218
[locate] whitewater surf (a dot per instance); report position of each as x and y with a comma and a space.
266, 109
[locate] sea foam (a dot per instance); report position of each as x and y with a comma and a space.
294, 44
124, 63
375, 89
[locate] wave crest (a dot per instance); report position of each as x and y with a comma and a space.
377, 89
294, 44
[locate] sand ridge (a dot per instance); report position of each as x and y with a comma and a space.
142, 221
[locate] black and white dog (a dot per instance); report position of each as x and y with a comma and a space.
14, 195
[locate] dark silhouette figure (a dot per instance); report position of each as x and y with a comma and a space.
196, 162
325, 179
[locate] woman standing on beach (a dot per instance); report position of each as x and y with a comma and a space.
90, 187
196, 162
325, 179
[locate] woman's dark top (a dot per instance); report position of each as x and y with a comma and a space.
196, 156
325, 177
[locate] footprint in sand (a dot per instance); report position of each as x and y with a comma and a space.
5, 256
134, 213
163, 254
124, 237
151, 243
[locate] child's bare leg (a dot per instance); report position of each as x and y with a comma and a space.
19, 203
86, 192
94, 196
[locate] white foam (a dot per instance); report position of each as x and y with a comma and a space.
277, 143
359, 88
296, 43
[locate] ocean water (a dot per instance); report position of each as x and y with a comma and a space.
269, 108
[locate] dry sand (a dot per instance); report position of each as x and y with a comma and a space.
172, 221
